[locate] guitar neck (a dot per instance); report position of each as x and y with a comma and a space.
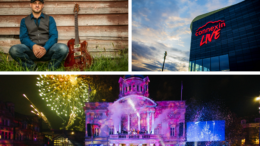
76, 29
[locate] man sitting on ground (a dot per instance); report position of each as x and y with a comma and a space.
39, 36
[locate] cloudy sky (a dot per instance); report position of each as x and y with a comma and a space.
159, 26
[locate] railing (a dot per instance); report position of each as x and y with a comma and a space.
121, 136
133, 136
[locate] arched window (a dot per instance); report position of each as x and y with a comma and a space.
111, 130
96, 132
156, 131
181, 129
172, 130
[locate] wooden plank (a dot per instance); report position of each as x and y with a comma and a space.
105, 54
68, 20
93, 45
23, 8
57, 0
69, 3
85, 31
97, 54
49, 11
95, 38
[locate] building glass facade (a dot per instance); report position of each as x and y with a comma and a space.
232, 46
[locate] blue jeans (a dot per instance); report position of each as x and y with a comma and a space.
24, 55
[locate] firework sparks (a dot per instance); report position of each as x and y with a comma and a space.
64, 94
71, 120
38, 113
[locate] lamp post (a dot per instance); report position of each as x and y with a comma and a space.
258, 99
165, 54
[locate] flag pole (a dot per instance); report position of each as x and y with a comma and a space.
181, 89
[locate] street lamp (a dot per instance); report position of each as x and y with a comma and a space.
258, 99
165, 54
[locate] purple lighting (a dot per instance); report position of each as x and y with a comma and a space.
134, 118
206, 131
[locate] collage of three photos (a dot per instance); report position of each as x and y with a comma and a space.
129, 72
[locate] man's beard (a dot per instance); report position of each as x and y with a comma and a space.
37, 12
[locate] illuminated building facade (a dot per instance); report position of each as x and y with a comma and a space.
6, 123
227, 39
27, 130
250, 132
18, 129
134, 118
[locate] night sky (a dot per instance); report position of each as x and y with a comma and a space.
237, 91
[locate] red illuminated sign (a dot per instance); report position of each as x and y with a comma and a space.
215, 31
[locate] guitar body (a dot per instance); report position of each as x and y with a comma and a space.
78, 56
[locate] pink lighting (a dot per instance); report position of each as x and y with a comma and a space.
210, 22
134, 118
215, 31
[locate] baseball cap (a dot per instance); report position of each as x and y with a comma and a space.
32, 1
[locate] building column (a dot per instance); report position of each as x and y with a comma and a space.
119, 126
153, 122
115, 129
183, 133
86, 122
139, 123
148, 121
128, 123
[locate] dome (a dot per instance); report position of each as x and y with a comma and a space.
133, 85
129, 76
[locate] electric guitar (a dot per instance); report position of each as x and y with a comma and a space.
78, 56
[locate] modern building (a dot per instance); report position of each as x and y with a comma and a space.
227, 39
135, 119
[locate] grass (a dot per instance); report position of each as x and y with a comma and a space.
100, 64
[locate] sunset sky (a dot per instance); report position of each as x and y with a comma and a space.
159, 26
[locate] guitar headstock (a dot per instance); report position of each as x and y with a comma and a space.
76, 8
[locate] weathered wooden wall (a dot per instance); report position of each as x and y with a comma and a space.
103, 23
